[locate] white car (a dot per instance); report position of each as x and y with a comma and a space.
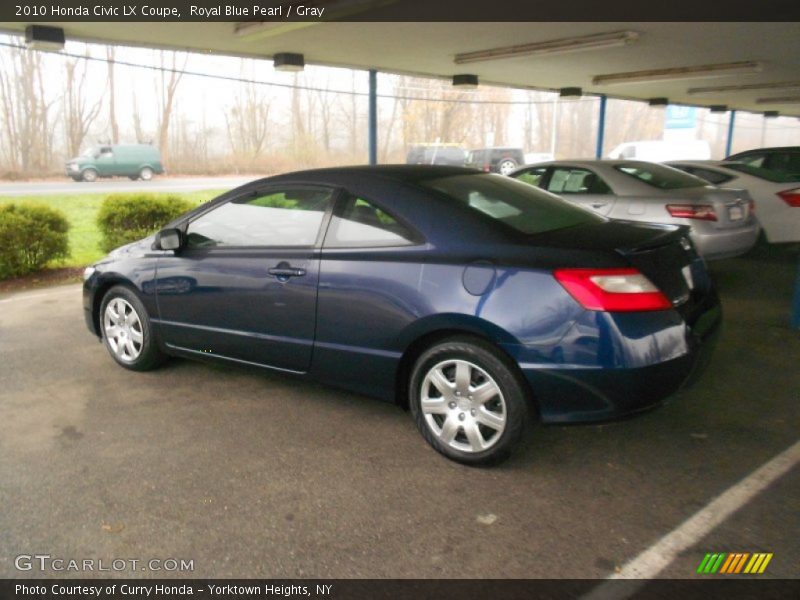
776, 195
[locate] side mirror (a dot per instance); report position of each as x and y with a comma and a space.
168, 239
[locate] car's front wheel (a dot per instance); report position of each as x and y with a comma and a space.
146, 174
127, 332
89, 175
467, 402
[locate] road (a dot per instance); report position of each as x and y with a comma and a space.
106, 186
260, 475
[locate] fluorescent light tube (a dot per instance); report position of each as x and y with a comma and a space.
701, 71
576, 44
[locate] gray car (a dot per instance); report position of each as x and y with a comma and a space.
722, 221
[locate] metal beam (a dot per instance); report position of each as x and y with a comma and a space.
373, 117
731, 124
601, 128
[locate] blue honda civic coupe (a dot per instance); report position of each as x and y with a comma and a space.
472, 299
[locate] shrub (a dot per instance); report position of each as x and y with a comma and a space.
125, 218
31, 235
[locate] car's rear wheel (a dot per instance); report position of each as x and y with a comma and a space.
146, 174
127, 332
89, 175
133, 177
506, 166
467, 402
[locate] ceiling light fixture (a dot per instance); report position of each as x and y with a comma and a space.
465, 81
288, 61
42, 37
699, 71
658, 101
718, 108
587, 42
770, 114
779, 100
570, 93
778, 85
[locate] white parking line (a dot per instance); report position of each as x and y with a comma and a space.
66, 288
658, 557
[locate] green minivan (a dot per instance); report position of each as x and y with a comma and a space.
136, 161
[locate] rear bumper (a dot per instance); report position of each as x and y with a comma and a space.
659, 363
719, 243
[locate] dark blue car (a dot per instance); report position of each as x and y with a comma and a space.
470, 298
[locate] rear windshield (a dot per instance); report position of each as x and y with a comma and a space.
518, 205
658, 176
761, 173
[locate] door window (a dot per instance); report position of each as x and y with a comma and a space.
361, 224
532, 176
276, 218
568, 180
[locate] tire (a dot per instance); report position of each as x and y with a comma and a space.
506, 166
89, 175
133, 177
130, 341
478, 421
146, 174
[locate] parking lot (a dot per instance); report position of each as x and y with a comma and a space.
250, 474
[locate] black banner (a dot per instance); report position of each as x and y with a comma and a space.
38, 11
378, 589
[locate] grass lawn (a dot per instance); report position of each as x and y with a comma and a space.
81, 212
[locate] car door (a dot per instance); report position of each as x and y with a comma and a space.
244, 284
105, 162
581, 186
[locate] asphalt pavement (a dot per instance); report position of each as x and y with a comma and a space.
249, 474
121, 184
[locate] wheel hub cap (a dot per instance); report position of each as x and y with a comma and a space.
463, 406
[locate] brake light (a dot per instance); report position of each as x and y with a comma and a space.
752, 206
704, 212
612, 290
791, 197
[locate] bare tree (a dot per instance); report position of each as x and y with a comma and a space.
167, 84
112, 96
78, 113
247, 122
26, 118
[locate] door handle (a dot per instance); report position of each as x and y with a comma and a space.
284, 272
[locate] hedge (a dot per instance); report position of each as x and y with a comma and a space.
31, 235
125, 218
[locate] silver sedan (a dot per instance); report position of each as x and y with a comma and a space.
722, 221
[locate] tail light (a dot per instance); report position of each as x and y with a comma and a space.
791, 197
612, 290
752, 206
704, 212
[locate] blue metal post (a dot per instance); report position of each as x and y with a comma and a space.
373, 117
601, 128
729, 143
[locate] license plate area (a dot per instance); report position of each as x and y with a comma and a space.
735, 213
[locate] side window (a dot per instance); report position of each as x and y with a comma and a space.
275, 218
565, 180
532, 176
753, 160
714, 177
361, 224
